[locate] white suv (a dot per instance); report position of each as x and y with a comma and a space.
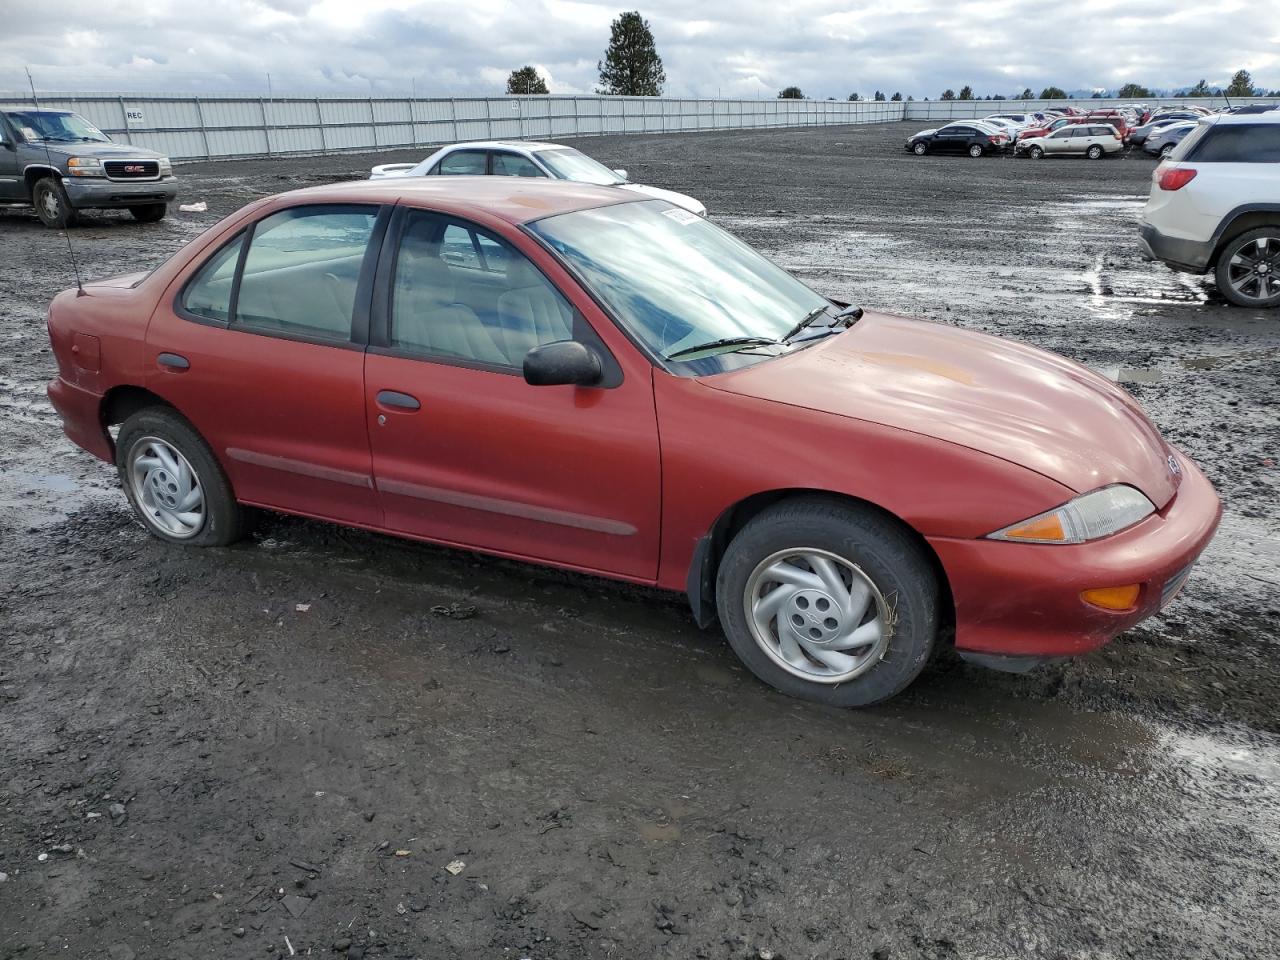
1215, 205
1093, 140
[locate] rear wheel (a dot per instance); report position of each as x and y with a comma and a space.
52, 205
975, 150
1036, 153
173, 482
149, 212
1248, 269
1094, 152
1166, 150
920, 149
828, 601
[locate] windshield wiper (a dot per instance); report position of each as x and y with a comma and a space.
723, 342
809, 317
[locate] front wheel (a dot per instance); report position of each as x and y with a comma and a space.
1094, 152
975, 150
1036, 153
920, 149
52, 204
828, 601
149, 212
173, 482
1248, 269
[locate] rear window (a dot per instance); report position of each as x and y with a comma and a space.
1238, 143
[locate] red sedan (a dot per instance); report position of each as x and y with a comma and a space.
565, 375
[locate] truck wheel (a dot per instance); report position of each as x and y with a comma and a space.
828, 601
52, 205
173, 482
1248, 269
149, 212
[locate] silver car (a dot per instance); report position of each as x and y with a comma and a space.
1092, 140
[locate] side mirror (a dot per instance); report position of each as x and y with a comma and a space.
621, 173
562, 362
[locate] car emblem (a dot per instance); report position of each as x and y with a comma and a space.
134, 168
1173, 466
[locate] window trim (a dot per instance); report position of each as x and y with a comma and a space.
379, 339
361, 308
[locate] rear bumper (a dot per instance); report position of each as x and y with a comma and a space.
95, 192
1023, 600
1191, 256
81, 420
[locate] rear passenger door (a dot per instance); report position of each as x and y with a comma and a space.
262, 348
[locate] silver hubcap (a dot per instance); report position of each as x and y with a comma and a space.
1254, 270
817, 615
167, 490
50, 204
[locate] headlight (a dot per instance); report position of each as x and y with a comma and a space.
1089, 516
84, 167
166, 168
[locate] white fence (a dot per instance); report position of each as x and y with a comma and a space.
193, 128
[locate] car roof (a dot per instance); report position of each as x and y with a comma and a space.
1271, 116
523, 145
516, 200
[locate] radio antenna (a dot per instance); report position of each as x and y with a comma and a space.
71, 253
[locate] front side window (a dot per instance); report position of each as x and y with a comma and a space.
490, 310
209, 293
674, 280
514, 165
302, 270
1240, 143
464, 163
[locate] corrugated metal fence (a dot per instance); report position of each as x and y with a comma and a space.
188, 127
191, 128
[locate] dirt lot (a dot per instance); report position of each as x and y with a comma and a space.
280, 747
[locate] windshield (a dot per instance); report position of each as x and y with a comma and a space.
569, 164
676, 281
56, 126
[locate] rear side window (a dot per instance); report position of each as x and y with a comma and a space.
209, 294
302, 269
1239, 143
464, 163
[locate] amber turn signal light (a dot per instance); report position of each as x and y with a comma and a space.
1112, 598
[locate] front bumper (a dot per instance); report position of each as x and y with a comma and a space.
1023, 599
98, 192
80, 411
1191, 256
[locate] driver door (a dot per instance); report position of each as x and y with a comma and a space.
11, 186
464, 450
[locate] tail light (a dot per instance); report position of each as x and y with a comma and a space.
1175, 178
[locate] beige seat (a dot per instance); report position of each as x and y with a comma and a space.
530, 313
426, 315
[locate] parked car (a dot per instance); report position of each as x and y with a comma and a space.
614, 385
1011, 128
59, 163
522, 158
1058, 123
1162, 142
1138, 135
1215, 205
966, 136
1092, 140
1121, 121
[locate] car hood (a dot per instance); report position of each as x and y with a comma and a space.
1006, 399
679, 199
105, 151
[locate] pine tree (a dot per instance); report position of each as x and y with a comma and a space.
966, 92
631, 66
1026, 94
790, 93
948, 94
879, 96
1241, 85
526, 80
1052, 93
896, 98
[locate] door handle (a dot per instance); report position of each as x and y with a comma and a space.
398, 400
173, 361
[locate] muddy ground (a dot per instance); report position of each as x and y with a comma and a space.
279, 748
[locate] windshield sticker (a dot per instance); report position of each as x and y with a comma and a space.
30, 134
681, 215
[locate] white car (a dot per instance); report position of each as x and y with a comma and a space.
1215, 205
1093, 140
1011, 127
521, 158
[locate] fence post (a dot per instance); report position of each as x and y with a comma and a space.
125, 114
204, 133
266, 124
324, 143
373, 123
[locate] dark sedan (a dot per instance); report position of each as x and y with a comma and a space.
971, 137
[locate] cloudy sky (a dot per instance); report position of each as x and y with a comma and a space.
728, 47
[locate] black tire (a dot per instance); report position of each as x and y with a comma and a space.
1166, 150
1252, 294
1094, 152
150, 212
884, 550
1036, 152
920, 149
976, 150
224, 521
53, 207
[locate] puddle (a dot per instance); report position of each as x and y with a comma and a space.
1130, 374
37, 499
